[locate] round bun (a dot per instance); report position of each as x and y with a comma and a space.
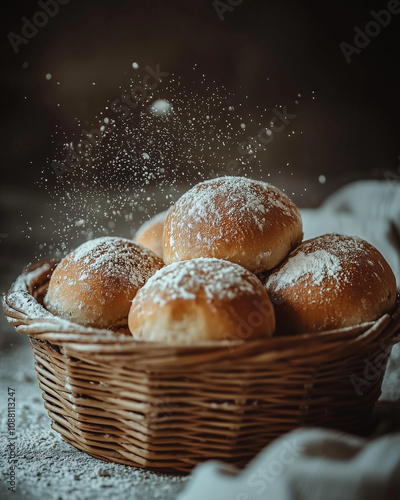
150, 234
200, 300
95, 284
241, 220
329, 282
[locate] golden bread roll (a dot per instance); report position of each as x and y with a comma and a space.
329, 282
199, 300
150, 233
95, 284
241, 220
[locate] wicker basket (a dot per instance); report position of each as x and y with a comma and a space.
169, 407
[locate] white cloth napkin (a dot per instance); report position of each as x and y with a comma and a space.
366, 198
314, 464
310, 464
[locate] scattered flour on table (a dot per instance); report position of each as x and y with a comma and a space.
48, 467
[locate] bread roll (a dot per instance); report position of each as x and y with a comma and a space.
241, 220
199, 300
95, 284
329, 282
150, 234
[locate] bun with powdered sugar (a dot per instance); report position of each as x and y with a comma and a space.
241, 220
329, 282
200, 300
95, 284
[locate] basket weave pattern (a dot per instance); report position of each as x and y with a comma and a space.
169, 407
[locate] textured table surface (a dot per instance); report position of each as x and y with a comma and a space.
50, 468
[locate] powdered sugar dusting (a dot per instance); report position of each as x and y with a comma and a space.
233, 193
246, 203
232, 196
107, 270
114, 257
317, 265
215, 278
24, 301
330, 256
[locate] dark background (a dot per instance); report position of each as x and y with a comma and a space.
351, 130
267, 50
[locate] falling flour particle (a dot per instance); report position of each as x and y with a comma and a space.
160, 107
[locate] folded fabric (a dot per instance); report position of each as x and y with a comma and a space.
368, 198
311, 464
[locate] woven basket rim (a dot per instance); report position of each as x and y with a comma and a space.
30, 317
